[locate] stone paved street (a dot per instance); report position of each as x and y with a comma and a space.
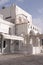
21, 60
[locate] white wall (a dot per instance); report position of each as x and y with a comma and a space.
21, 29
25, 28
21, 11
12, 30
7, 12
4, 26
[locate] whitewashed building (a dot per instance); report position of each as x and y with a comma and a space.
17, 33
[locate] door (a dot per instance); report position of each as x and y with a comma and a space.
0, 43
17, 45
16, 48
41, 45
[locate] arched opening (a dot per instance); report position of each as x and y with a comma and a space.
32, 37
32, 41
32, 32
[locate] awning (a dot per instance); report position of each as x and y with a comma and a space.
12, 37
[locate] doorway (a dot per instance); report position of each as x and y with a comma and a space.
16, 47
0, 43
41, 45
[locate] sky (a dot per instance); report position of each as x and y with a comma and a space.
34, 7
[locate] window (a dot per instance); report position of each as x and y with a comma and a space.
8, 17
4, 44
10, 31
28, 21
42, 41
33, 27
19, 18
0, 40
17, 43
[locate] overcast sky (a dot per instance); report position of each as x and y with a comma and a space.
34, 7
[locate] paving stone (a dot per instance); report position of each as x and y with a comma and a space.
21, 60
